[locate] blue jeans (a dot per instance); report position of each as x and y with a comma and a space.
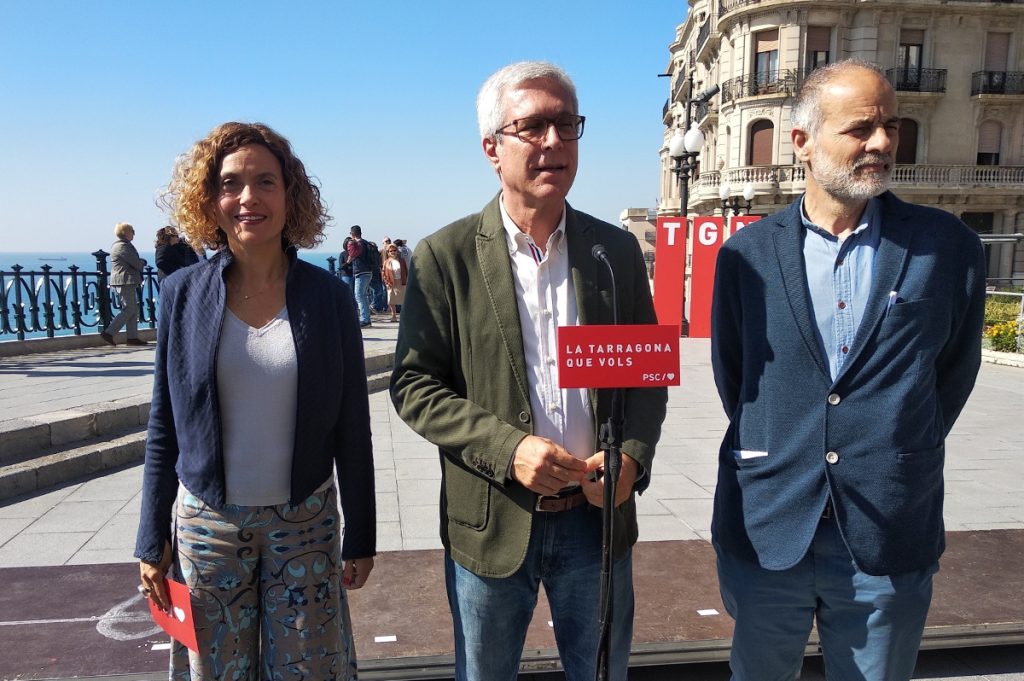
347, 278
870, 627
491, 615
362, 291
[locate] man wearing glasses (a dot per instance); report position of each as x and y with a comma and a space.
476, 373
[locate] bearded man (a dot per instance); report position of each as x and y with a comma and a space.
846, 337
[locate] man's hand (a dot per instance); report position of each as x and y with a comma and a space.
594, 491
543, 467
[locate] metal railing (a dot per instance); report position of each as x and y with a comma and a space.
48, 302
997, 83
703, 34
779, 82
1003, 325
917, 80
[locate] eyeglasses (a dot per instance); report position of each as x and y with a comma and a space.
534, 128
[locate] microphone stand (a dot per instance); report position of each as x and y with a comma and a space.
611, 438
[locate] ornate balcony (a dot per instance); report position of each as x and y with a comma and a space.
790, 180
917, 80
780, 82
997, 82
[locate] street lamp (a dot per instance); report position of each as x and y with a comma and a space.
684, 150
733, 203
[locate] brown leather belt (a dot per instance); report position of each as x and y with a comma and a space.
563, 502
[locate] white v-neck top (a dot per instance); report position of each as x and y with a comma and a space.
257, 387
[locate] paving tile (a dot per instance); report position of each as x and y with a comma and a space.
27, 550
10, 527
696, 513
119, 485
420, 544
102, 556
36, 504
414, 469
118, 533
664, 528
419, 521
389, 536
75, 516
387, 507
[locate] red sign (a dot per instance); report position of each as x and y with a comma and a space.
669, 270
178, 621
740, 221
708, 235
623, 356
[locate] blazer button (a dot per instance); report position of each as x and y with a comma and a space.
524, 417
834, 399
832, 457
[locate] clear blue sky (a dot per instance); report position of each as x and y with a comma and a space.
377, 98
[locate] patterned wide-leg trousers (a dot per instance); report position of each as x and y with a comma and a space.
266, 591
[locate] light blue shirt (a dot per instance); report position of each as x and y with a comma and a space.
839, 276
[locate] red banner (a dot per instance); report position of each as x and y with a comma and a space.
740, 221
708, 235
669, 270
622, 356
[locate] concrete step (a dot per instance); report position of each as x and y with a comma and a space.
24, 438
54, 466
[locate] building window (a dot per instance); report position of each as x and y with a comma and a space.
819, 39
766, 60
908, 59
906, 152
990, 137
761, 138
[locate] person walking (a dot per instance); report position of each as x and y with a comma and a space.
259, 403
845, 340
395, 276
475, 373
126, 277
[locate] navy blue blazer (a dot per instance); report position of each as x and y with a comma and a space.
873, 439
332, 427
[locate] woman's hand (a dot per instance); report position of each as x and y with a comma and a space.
356, 572
153, 579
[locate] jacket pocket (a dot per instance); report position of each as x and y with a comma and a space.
467, 497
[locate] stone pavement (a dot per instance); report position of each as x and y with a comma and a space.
94, 520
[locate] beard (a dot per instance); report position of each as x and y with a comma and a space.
845, 183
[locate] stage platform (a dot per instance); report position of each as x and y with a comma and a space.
88, 621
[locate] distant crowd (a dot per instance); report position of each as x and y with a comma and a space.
377, 276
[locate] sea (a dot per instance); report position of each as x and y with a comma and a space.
61, 261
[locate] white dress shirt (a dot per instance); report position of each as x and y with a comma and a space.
547, 299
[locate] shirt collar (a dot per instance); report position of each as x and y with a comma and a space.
867, 218
518, 239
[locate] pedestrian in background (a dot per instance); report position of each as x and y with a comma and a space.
395, 276
126, 277
259, 399
362, 272
172, 253
845, 340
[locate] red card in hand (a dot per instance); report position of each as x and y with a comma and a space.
178, 622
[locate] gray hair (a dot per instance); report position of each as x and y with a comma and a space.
122, 229
806, 111
490, 111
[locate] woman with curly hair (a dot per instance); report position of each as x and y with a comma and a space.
259, 399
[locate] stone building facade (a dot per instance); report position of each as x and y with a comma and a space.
958, 70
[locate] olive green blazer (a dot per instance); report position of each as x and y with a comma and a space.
460, 376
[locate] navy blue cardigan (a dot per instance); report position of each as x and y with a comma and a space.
332, 425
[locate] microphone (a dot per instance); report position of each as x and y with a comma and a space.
601, 255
